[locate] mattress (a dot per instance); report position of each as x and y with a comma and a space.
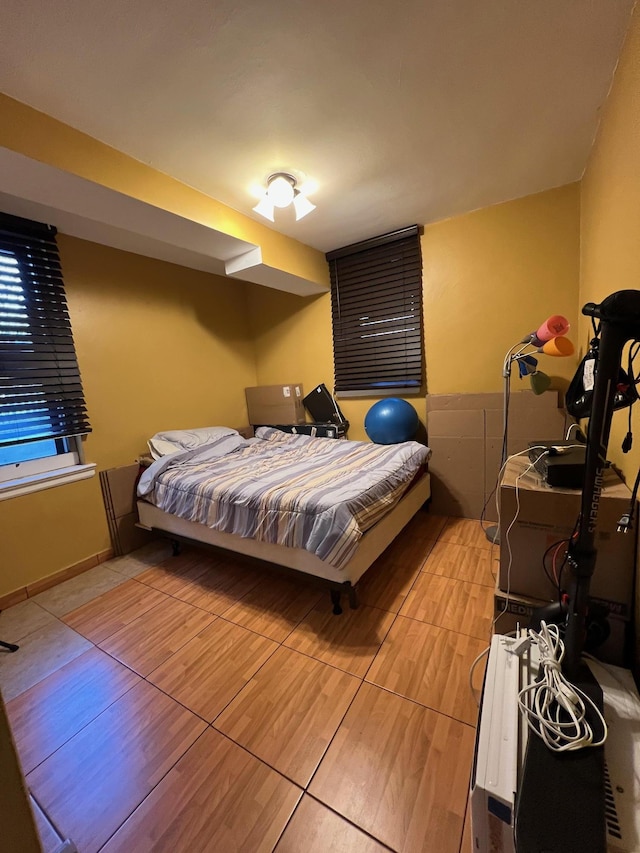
318, 494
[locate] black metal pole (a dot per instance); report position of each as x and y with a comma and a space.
619, 315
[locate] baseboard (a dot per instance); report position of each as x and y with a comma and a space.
11, 598
21, 594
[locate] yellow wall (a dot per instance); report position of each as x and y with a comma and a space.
490, 277
164, 347
610, 238
159, 347
43, 138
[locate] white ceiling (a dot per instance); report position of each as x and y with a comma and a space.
402, 113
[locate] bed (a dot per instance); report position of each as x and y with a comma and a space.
320, 506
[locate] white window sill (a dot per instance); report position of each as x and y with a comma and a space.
47, 480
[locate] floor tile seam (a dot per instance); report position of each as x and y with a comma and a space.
391, 624
476, 546
350, 822
130, 666
301, 788
239, 601
382, 843
451, 578
413, 583
260, 579
377, 606
252, 630
262, 760
67, 580
150, 792
146, 613
233, 698
374, 607
465, 545
421, 704
18, 640
135, 577
297, 625
181, 600
61, 617
177, 701
324, 662
88, 723
335, 666
442, 627
295, 651
152, 586
57, 669
332, 738
46, 814
59, 664
286, 826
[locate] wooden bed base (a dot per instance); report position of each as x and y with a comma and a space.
372, 544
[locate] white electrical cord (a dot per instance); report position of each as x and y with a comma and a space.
507, 536
568, 435
555, 709
472, 668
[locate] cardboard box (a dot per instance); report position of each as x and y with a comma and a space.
514, 611
119, 495
457, 463
547, 515
465, 435
491, 400
275, 404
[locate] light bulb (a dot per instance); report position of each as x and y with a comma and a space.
265, 208
302, 205
280, 191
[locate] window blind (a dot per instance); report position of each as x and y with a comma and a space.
41, 392
376, 304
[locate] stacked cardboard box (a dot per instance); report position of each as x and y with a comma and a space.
275, 404
119, 495
465, 435
539, 516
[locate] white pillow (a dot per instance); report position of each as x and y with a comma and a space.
171, 441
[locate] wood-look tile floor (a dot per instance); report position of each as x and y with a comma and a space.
200, 703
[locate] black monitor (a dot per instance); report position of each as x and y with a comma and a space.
322, 407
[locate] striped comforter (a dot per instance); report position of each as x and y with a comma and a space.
313, 493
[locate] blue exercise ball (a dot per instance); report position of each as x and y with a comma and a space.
390, 421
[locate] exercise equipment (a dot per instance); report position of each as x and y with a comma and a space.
391, 421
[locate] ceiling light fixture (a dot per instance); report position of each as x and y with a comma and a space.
282, 191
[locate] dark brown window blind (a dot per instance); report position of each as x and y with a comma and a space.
376, 305
41, 392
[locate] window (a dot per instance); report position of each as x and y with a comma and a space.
42, 408
376, 305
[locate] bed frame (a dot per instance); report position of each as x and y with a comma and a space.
372, 544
